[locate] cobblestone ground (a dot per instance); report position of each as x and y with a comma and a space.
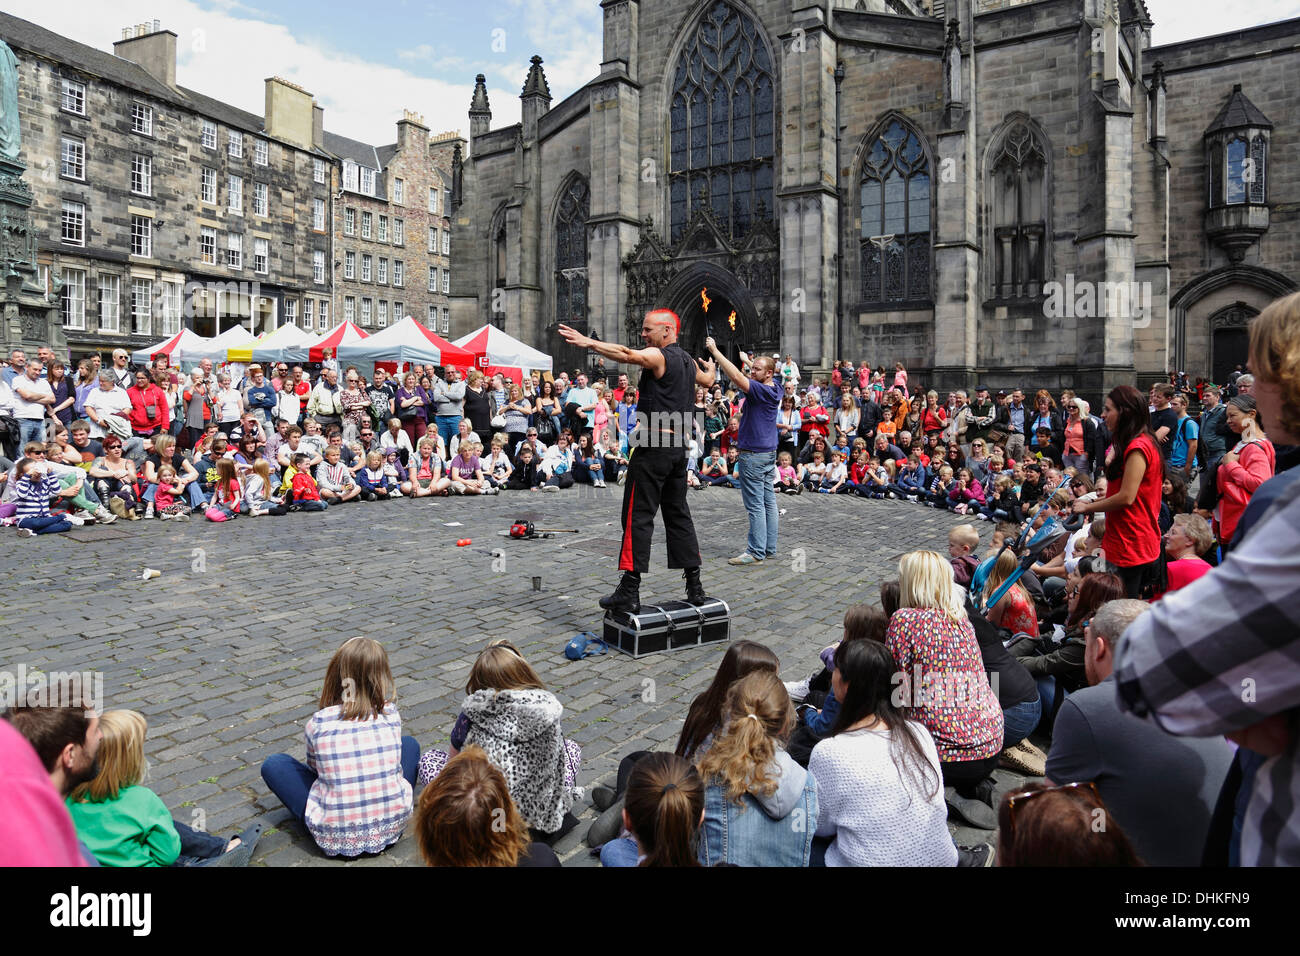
226, 651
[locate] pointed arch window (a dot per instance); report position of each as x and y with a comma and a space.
895, 207
571, 254
721, 124
1018, 188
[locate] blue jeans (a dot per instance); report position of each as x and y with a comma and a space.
30, 429
448, 426
311, 505
197, 847
619, 852
1050, 696
1020, 720
45, 524
757, 470
291, 779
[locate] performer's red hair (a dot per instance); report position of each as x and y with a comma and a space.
667, 314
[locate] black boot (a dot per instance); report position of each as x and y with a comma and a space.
694, 587
627, 597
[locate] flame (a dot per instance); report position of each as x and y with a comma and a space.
704, 297
731, 320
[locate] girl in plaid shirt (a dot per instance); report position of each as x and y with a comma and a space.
354, 793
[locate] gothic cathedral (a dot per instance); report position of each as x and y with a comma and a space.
995, 190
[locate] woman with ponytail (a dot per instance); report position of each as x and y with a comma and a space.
1134, 478
760, 807
878, 775
664, 809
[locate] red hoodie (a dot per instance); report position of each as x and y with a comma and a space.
141, 399
304, 488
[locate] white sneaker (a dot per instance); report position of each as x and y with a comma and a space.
74, 520
148, 511
396, 493
622, 477
550, 487
25, 532
104, 516
164, 517
982, 517
911, 498
599, 483
87, 517
492, 491
797, 689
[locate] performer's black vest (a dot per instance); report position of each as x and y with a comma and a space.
674, 391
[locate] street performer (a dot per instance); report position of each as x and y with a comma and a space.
656, 471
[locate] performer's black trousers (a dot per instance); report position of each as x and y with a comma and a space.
656, 478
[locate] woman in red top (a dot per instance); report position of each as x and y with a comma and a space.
815, 419
1134, 476
934, 418
1250, 463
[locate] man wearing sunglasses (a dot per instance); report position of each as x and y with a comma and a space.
1161, 789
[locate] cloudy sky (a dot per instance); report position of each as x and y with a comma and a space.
365, 63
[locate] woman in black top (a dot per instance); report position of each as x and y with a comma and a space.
479, 406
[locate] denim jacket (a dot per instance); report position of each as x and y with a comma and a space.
774, 830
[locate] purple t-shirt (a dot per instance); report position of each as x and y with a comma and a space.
758, 423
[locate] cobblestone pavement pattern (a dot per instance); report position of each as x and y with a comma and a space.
226, 651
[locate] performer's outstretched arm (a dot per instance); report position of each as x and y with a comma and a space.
652, 359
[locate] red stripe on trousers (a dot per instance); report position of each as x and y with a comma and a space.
625, 556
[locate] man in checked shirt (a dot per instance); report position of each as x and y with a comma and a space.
1222, 656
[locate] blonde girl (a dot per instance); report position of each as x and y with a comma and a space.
257, 492
1015, 609
168, 500
753, 789
124, 823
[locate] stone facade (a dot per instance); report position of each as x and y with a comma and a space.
388, 244
1052, 228
148, 220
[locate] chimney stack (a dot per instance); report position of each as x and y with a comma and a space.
151, 48
290, 113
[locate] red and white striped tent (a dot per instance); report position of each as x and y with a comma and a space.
403, 342
504, 353
174, 348
335, 339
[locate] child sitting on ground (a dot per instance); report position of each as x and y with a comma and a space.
395, 474
516, 720
962, 542
497, 465
713, 470
787, 479
877, 484
125, 824
836, 475
32, 491
1004, 505
257, 492
526, 474
354, 793
333, 480
426, 471
841, 444
376, 485
304, 495
227, 492
811, 474
860, 471
168, 501
940, 485
966, 495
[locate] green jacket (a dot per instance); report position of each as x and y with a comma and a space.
134, 830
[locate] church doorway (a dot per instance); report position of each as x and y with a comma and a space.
710, 301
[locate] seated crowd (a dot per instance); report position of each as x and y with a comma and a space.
854, 775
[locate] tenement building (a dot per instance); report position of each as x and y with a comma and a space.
158, 207
998, 190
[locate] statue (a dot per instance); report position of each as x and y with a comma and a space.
10, 131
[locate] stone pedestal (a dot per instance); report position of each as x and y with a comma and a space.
30, 315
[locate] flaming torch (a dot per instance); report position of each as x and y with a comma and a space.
731, 320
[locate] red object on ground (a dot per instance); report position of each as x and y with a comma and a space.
462, 542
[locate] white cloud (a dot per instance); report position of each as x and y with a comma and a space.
1178, 20
228, 57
